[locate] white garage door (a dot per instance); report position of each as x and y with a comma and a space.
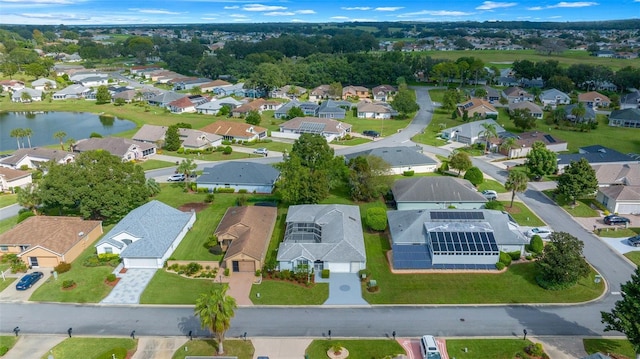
339, 267
355, 267
628, 208
140, 263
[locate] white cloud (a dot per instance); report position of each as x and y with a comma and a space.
389, 8
279, 13
231, 7
238, 16
260, 7
436, 13
535, 8
309, 11
565, 4
298, 20
59, 16
363, 8
490, 5
155, 11
555, 17
40, 2
339, 18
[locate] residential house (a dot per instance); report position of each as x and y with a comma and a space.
378, 110
436, 193
492, 95
26, 95
127, 95
594, 100
214, 106
471, 132
630, 100
11, 85
244, 234
127, 150
44, 84
243, 110
148, 235
164, 99
321, 93
401, 159
11, 179
247, 176
517, 94
35, 158
629, 117
71, 92
384, 93
231, 90
211, 86
476, 107
291, 92
308, 109
553, 98
190, 83
45, 241
358, 92
135, 70
619, 187
452, 238
535, 110
595, 155
93, 81
187, 104
322, 237
191, 139
236, 131
524, 144
330, 129
589, 115
333, 109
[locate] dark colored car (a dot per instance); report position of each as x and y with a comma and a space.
634, 241
613, 219
371, 133
29, 280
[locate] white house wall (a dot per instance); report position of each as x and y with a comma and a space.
142, 263
20, 182
250, 189
178, 239
416, 169
100, 249
465, 259
442, 205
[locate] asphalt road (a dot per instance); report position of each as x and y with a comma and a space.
557, 320
9, 211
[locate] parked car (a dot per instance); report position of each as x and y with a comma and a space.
542, 232
634, 241
176, 177
261, 151
29, 280
490, 194
615, 219
371, 133
429, 348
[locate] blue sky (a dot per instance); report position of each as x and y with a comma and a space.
96, 12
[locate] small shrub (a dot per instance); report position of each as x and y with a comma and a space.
68, 283
226, 272
325, 273
474, 175
24, 215
408, 173
505, 258
242, 190
111, 278
536, 245
227, 150
444, 167
495, 205
534, 349
63, 267
515, 255
180, 150
216, 250
192, 268
258, 272
500, 266
376, 218
364, 274
209, 197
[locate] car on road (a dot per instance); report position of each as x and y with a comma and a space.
542, 232
490, 194
429, 348
634, 241
615, 219
29, 280
178, 177
261, 151
371, 133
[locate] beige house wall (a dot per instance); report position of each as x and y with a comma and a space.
83, 244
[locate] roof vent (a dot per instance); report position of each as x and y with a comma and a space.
602, 150
80, 234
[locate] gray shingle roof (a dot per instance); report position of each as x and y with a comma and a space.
400, 156
626, 114
553, 94
155, 224
472, 129
341, 234
239, 173
595, 154
436, 189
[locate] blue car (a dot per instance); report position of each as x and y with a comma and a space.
29, 280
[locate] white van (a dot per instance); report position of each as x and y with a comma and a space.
429, 348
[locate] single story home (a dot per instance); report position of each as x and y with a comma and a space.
619, 187
248, 176
618, 174
165, 98
244, 234
595, 155
492, 95
192, 139
44, 84
45, 241
439, 192
127, 150
26, 95
211, 86
589, 115
244, 109
378, 110
288, 92
629, 117
213, 107
477, 107
322, 237
359, 92
524, 144
517, 94
71, 92
148, 235
401, 158
594, 100
11, 85
535, 110
330, 129
384, 93
554, 97
321, 93
308, 109
236, 131
35, 157
452, 238
333, 109
470, 132
630, 100
10, 179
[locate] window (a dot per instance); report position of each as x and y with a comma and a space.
4, 248
108, 250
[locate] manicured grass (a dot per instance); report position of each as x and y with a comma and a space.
582, 208
214, 156
426, 174
358, 349
8, 341
90, 286
7, 224
189, 289
352, 142
492, 185
522, 214
8, 199
155, 164
90, 348
617, 232
612, 346
174, 195
276, 292
464, 288
208, 347
634, 257
486, 348
5, 283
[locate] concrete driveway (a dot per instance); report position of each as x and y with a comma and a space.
344, 289
10, 294
130, 287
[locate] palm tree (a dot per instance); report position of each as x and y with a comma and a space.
215, 310
507, 145
488, 133
186, 167
60, 135
28, 133
516, 182
25, 97
29, 197
579, 111
70, 142
17, 133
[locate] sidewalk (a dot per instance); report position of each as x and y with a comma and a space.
33, 346
158, 347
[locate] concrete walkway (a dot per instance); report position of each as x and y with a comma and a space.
280, 348
158, 347
344, 289
33, 346
561, 347
130, 287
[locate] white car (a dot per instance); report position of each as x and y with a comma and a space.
178, 177
490, 194
542, 232
429, 348
261, 151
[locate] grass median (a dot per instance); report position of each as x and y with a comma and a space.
90, 348
358, 349
276, 292
163, 289
209, 347
486, 348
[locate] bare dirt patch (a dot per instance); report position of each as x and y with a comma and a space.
196, 207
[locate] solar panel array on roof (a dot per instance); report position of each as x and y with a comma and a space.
411, 257
456, 243
550, 139
311, 127
457, 215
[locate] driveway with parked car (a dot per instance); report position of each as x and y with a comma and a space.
11, 293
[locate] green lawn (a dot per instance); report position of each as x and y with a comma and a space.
582, 208
492, 185
634, 257
7, 224
522, 214
8, 341
516, 285
275, 292
90, 286
5, 283
358, 349
352, 142
486, 348
238, 348
90, 348
617, 232
157, 293
8, 199
155, 164
613, 346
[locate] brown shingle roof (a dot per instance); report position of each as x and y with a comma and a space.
251, 226
234, 129
527, 139
624, 174
592, 96
10, 174
58, 234
254, 105
622, 193
36, 152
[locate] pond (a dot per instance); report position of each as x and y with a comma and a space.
76, 125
